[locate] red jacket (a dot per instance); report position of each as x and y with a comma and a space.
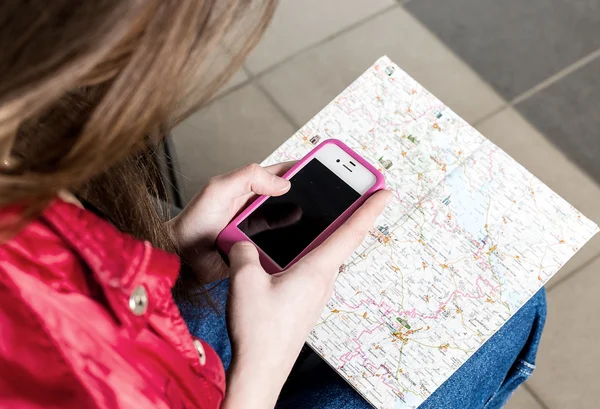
87, 321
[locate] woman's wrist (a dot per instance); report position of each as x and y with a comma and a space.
252, 386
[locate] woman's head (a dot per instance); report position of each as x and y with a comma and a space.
87, 87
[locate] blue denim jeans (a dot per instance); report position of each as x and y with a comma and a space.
486, 380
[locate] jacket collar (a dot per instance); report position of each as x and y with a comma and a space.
121, 264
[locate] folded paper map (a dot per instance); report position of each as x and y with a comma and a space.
468, 238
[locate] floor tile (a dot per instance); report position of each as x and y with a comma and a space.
306, 83
237, 129
567, 113
514, 44
522, 399
567, 362
511, 132
299, 24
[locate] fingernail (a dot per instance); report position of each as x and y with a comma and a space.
281, 183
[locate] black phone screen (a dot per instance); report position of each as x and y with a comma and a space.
284, 226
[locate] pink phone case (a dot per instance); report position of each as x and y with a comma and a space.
232, 234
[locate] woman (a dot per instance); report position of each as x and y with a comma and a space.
87, 89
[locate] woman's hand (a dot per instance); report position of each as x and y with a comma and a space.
196, 228
270, 316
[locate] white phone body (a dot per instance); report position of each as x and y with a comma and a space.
346, 168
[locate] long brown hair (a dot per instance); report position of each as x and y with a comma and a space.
88, 87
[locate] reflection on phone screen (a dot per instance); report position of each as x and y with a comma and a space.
284, 226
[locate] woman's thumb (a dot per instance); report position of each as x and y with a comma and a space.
243, 254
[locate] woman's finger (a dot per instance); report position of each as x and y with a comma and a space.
326, 259
251, 179
243, 254
279, 169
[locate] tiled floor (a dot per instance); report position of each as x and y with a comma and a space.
521, 46
498, 64
567, 111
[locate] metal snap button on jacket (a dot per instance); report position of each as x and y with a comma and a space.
200, 350
138, 300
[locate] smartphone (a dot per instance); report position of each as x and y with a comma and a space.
327, 186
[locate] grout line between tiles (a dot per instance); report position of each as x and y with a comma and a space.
247, 72
250, 81
541, 85
227, 92
493, 113
535, 396
344, 30
276, 104
252, 76
556, 77
554, 284
255, 78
